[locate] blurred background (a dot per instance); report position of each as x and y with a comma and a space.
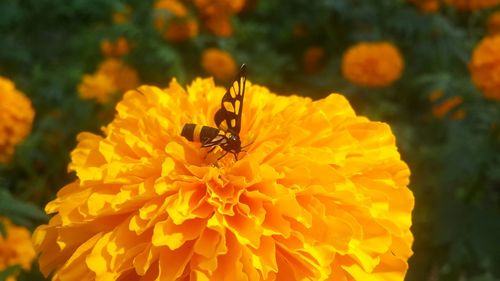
429, 68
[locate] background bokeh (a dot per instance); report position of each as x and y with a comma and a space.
446, 126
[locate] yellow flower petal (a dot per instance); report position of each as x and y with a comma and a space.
16, 118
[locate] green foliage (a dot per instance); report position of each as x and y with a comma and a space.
9, 271
19, 212
3, 230
47, 46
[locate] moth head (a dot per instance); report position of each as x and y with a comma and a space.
234, 142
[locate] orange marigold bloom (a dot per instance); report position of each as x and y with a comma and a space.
213, 7
372, 64
320, 194
485, 67
174, 7
16, 248
217, 14
124, 76
219, 63
494, 23
443, 108
173, 21
122, 15
112, 76
459, 114
219, 25
427, 6
97, 86
181, 31
313, 59
435, 95
119, 48
472, 5
16, 118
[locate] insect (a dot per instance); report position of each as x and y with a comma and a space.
227, 119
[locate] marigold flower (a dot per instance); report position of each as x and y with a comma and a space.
435, 95
174, 7
444, 106
16, 118
211, 7
122, 15
117, 49
173, 21
97, 86
372, 64
472, 5
320, 194
313, 59
219, 25
485, 67
458, 114
440, 110
219, 63
427, 6
112, 76
217, 14
16, 248
494, 23
123, 75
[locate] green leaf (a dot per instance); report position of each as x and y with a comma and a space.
9, 271
3, 230
20, 212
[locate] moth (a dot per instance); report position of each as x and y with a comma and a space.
227, 119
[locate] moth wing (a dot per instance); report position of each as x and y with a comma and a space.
228, 117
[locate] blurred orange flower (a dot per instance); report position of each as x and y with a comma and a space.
494, 23
97, 86
118, 48
435, 95
174, 7
375, 64
213, 7
472, 5
320, 194
112, 76
16, 118
174, 22
459, 114
442, 108
485, 67
217, 14
313, 59
122, 15
427, 6
219, 63
123, 75
16, 248
219, 25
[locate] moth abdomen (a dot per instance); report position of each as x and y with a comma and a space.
199, 133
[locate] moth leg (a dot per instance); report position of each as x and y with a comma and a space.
211, 149
222, 156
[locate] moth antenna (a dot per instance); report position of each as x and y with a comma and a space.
247, 145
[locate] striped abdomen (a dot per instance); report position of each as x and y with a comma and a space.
199, 133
